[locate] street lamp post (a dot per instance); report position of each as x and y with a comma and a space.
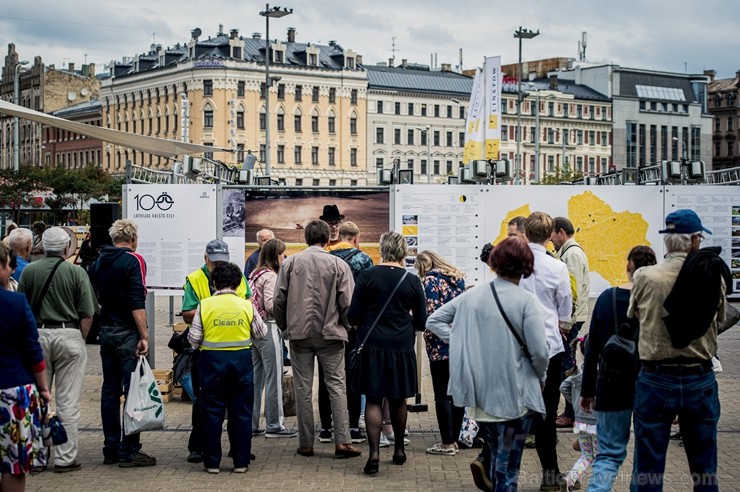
275, 12
426, 131
684, 159
16, 123
520, 34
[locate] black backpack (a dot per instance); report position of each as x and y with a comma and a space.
619, 360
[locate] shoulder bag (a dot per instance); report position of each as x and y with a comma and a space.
522, 345
354, 359
36, 308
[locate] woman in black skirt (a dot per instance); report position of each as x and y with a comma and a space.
388, 358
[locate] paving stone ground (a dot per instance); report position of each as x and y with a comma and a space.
277, 467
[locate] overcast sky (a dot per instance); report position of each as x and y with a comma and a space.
669, 35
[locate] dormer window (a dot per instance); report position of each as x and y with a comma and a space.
312, 56
351, 62
278, 53
279, 57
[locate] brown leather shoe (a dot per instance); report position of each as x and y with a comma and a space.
346, 451
563, 422
305, 451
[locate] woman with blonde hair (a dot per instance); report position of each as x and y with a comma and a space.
442, 282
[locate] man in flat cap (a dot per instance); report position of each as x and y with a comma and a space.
678, 303
63, 304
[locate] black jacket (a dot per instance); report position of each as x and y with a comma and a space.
118, 277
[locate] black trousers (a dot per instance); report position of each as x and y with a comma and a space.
449, 416
544, 430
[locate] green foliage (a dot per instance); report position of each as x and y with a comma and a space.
560, 175
17, 188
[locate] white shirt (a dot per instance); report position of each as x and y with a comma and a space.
550, 283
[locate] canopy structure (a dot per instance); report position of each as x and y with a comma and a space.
151, 145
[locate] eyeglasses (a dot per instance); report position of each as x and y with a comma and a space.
700, 237
334, 224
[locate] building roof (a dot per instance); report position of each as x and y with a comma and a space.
721, 85
631, 81
92, 106
415, 79
578, 91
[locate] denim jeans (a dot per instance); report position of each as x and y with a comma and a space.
505, 441
659, 398
118, 354
613, 431
186, 381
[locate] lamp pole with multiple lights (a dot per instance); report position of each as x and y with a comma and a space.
16, 123
275, 12
520, 34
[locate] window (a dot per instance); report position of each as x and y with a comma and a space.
298, 154
314, 155
653, 144
449, 139
332, 156
315, 124
281, 154
591, 165
332, 95
332, 182
297, 123
551, 109
279, 56
604, 141
410, 136
461, 139
379, 136
240, 120
207, 119
550, 136
397, 136
263, 153
207, 155
299, 181
565, 110
579, 111
717, 147
423, 139
423, 166
332, 124
353, 157
315, 94
262, 90
449, 111
263, 121
353, 182
378, 163
410, 164
436, 167
674, 143
298, 92
631, 144
695, 143
397, 108
208, 87
579, 163
550, 163
353, 125
281, 91
313, 59
729, 149
449, 167
642, 146
504, 133
353, 96
462, 113
411, 109
436, 138
423, 109
717, 124
591, 137
379, 107
315, 182
436, 110
281, 122
730, 124
664, 143
240, 88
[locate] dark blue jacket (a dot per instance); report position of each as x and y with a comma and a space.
20, 350
118, 277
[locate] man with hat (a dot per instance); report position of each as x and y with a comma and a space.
63, 304
332, 217
678, 303
198, 286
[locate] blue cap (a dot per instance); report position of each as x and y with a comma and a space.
683, 221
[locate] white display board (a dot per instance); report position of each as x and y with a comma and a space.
175, 224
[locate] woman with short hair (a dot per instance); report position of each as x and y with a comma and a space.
388, 360
498, 360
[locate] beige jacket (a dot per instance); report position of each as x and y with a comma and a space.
312, 296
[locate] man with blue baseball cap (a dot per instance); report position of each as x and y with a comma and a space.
678, 303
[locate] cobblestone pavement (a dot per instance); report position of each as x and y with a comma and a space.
277, 467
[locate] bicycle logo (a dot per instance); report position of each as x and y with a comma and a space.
147, 202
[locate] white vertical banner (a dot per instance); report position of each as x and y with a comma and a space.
474, 125
492, 129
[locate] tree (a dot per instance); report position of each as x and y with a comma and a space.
75, 187
18, 188
561, 175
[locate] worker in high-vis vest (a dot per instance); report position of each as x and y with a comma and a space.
223, 328
198, 286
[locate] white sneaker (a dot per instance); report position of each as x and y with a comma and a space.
241, 469
441, 449
384, 442
361, 424
391, 437
212, 471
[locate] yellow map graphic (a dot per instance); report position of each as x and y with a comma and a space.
606, 236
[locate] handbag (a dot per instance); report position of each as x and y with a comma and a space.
354, 361
52, 430
522, 345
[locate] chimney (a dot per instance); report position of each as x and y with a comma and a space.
554, 82
220, 29
711, 74
404, 62
291, 34
358, 59
390, 62
234, 33
71, 67
256, 35
446, 67
92, 70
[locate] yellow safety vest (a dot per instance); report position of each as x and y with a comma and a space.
227, 321
200, 284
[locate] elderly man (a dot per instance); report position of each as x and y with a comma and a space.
577, 262
263, 235
550, 283
678, 303
20, 241
312, 296
63, 304
119, 278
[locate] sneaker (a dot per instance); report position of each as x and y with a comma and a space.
357, 436
195, 457
325, 435
384, 442
361, 424
392, 438
480, 475
284, 432
258, 432
241, 469
110, 461
139, 459
529, 442
443, 450
213, 471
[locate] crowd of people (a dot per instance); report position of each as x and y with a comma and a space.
502, 353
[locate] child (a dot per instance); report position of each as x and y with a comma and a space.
584, 426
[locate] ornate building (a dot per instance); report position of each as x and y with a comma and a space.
317, 105
724, 95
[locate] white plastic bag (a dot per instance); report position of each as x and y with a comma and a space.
144, 409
